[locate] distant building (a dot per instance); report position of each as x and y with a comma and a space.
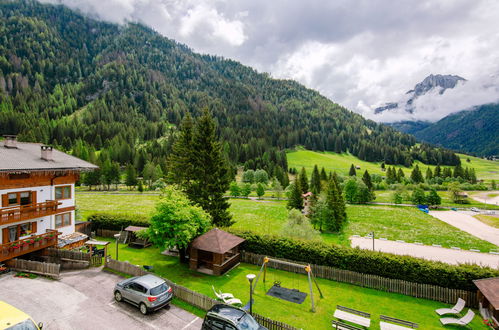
37, 196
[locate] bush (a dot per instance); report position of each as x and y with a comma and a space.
116, 221
368, 262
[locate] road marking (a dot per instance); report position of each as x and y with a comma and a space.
188, 325
124, 311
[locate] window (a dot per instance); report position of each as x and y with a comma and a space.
18, 198
25, 229
62, 220
63, 192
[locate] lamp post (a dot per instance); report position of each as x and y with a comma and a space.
372, 235
250, 278
117, 236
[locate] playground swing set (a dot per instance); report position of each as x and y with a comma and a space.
293, 295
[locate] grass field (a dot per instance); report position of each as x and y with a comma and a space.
385, 196
341, 163
268, 217
491, 220
335, 293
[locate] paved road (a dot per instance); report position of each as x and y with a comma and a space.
434, 253
483, 197
84, 300
469, 224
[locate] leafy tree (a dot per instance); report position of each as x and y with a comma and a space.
234, 189
493, 185
433, 198
260, 190
176, 221
299, 226
351, 190
397, 197
416, 175
246, 190
140, 187
261, 176
295, 200
418, 196
363, 195
303, 180
249, 176
315, 181
456, 193
352, 171
131, 177
276, 186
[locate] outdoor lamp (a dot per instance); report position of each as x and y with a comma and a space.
250, 278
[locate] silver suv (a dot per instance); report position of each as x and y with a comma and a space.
148, 292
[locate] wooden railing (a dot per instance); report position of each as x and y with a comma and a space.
27, 212
27, 245
231, 262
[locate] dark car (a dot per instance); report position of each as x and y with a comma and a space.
148, 292
225, 317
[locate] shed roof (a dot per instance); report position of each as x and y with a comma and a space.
216, 241
134, 228
489, 287
27, 157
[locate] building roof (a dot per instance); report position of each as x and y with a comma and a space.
216, 241
489, 287
27, 157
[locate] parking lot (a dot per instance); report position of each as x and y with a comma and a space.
84, 300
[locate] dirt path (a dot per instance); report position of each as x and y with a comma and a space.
484, 197
434, 253
467, 223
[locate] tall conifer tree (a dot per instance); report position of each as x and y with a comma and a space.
303, 181
315, 181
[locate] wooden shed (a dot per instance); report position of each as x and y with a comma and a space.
215, 252
133, 240
488, 296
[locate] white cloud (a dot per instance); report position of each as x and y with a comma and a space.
358, 53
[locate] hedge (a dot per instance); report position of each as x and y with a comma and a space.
116, 221
368, 262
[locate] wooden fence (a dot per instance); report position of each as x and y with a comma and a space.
67, 254
418, 290
36, 267
191, 297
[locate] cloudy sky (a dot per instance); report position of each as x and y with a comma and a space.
359, 53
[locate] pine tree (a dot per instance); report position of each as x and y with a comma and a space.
303, 181
438, 172
473, 176
131, 176
367, 180
352, 171
400, 175
416, 175
315, 181
295, 200
323, 175
458, 171
210, 172
429, 174
180, 161
341, 204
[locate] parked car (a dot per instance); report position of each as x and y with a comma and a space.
227, 317
147, 292
474, 209
13, 318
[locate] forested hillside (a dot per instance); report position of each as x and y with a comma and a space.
88, 86
473, 132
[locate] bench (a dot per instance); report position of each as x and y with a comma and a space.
343, 326
353, 316
391, 323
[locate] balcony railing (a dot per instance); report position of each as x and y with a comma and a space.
27, 212
27, 245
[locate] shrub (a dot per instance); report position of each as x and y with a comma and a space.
368, 262
116, 221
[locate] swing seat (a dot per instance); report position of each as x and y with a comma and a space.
291, 295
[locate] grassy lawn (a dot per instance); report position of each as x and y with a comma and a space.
411, 225
141, 204
491, 220
485, 169
335, 293
263, 217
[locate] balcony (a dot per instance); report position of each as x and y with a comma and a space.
27, 212
27, 245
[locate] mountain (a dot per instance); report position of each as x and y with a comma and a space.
474, 132
433, 82
87, 86
410, 127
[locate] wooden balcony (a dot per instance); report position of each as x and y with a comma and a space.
27, 245
28, 212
